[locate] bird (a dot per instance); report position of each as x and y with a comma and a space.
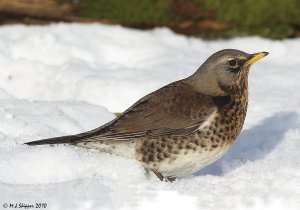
182, 127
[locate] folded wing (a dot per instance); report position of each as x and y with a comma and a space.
176, 109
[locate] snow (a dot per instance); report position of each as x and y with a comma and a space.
68, 78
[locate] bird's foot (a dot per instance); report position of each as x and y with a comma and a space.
170, 179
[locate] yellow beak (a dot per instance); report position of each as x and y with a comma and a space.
255, 57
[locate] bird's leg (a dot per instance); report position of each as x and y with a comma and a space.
162, 178
154, 174
159, 175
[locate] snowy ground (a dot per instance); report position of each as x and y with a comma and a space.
63, 79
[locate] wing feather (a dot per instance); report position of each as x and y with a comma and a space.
176, 109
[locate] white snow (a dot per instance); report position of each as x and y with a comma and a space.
56, 80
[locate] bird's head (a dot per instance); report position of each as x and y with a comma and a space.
225, 71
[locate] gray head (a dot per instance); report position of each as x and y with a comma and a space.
223, 71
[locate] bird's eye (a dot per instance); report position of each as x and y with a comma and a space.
233, 63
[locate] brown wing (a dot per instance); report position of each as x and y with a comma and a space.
176, 109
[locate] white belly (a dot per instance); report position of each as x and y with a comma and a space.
186, 164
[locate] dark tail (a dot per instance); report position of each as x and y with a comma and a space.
56, 140
71, 139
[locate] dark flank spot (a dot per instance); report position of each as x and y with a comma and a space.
180, 146
208, 132
232, 128
152, 150
163, 144
227, 128
188, 146
176, 152
150, 157
114, 147
223, 138
212, 138
166, 154
221, 130
185, 152
160, 156
152, 145
159, 149
198, 142
203, 145
194, 148
144, 159
154, 164
170, 146
214, 146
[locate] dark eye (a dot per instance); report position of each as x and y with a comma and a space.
233, 63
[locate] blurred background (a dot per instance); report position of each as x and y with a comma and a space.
208, 19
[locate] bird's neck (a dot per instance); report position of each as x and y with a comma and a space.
237, 93
206, 86
233, 109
